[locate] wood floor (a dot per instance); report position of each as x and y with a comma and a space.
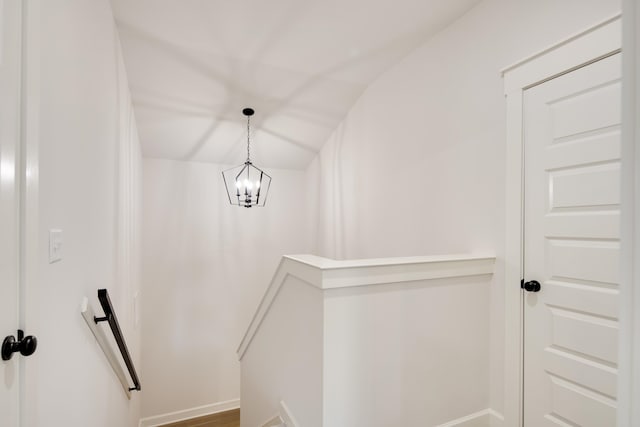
223, 419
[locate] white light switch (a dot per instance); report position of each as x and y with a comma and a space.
55, 246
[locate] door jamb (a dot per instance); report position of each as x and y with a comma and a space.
29, 197
586, 47
629, 346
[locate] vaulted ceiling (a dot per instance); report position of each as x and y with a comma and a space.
193, 65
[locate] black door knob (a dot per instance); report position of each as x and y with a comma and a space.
25, 345
532, 286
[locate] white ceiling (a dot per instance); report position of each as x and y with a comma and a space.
193, 65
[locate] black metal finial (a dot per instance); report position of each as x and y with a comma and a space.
248, 112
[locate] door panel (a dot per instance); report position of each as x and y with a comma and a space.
568, 113
10, 48
595, 147
572, 197
580, 405
590, 186
595, 261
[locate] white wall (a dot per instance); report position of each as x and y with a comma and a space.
409, 354
206, 265
89, 164
397, 341
417, 166
285, 359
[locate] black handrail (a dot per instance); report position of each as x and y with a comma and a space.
110, 317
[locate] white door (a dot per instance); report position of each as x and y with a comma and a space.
10, 143
572, 248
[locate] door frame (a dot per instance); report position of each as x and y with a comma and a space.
29, 196
597, 42
629, 348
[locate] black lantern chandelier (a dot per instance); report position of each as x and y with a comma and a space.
246, 185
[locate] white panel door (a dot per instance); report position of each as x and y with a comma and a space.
572, 248
10, 47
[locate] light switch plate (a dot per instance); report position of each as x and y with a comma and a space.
55, 245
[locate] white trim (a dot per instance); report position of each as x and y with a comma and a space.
497, 419
603, 39
555, 46
629, 345
328, 274
30, 227
484, 418
1, 32
597, 42
513, 264
287, 416
275, 421
331, 274
284, 418
186, 414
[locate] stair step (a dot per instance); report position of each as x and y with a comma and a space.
221, 419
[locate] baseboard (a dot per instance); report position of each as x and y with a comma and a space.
284, 417
497, 419
200, 411
484, 418
274, 422
287, 416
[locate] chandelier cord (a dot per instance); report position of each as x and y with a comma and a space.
248, 140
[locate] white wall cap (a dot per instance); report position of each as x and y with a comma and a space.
325, 274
